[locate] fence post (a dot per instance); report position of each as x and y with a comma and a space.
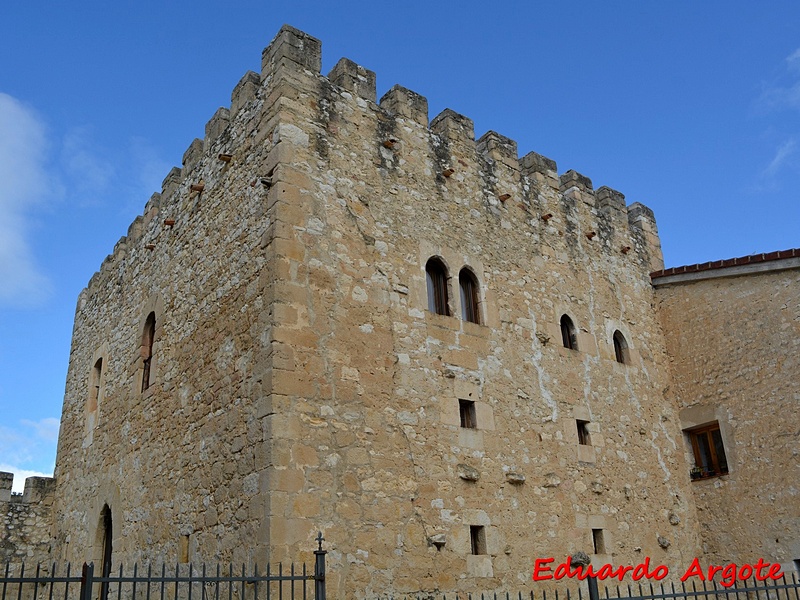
319, 570
594, 593
87, 580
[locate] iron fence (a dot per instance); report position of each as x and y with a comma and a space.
184, 582
784, 588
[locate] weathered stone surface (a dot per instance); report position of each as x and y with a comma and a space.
299, 382
735, 348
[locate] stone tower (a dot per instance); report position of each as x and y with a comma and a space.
339, 316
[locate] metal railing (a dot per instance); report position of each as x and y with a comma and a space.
183, 583
784, 588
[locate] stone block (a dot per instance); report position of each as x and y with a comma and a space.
292, 46
354, 78
453, 126
404, 103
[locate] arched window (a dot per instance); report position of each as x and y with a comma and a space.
94, 387
107, 531
468, 284
569, 336
148, 336
436, 275
621, 348
93, 401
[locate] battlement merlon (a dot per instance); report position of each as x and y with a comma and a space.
500, 149
292, 45
293, 51
402, 102
354, 78
37, 489
641, 219
6, 483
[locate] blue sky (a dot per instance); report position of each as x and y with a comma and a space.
689, 107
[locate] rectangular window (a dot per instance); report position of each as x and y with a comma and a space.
477, 537
583, 433
597, 541
466, 410
708, 450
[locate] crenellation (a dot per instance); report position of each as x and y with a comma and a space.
610, 201
642, 217
27, 520
216, 125
245, 92
499, 148
642, 223
533, 162
135, 230
192, 155
171, 182
291, 46
354, 78
6, 483
38, 489
404, 103
453, 126
573, 179
152, 208
299, 377
120, 249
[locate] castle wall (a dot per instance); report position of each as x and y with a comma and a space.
181, 465
300, 383
734, 343
26, 532
368, 445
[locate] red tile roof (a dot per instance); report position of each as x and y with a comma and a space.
730, 262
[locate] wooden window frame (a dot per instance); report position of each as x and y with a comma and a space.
718, 464
621, 353
436, 278
470, 297
95, 385
569, 334
467, 414
148, 338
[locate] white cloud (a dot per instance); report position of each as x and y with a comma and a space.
30, 447
46, 429
20, 475
85, 167
24, 183
793, 60
786, 94
13, 446
784, 157
148, 170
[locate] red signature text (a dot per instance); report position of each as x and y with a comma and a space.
728, 574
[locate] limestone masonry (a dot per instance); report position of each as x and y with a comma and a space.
338, 316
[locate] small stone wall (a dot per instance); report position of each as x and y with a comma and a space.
26, 532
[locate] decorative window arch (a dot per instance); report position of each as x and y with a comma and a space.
436, 277
569, 335
470, 296
148, 338
621, 352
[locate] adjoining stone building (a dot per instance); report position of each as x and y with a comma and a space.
732, 331
338, 316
